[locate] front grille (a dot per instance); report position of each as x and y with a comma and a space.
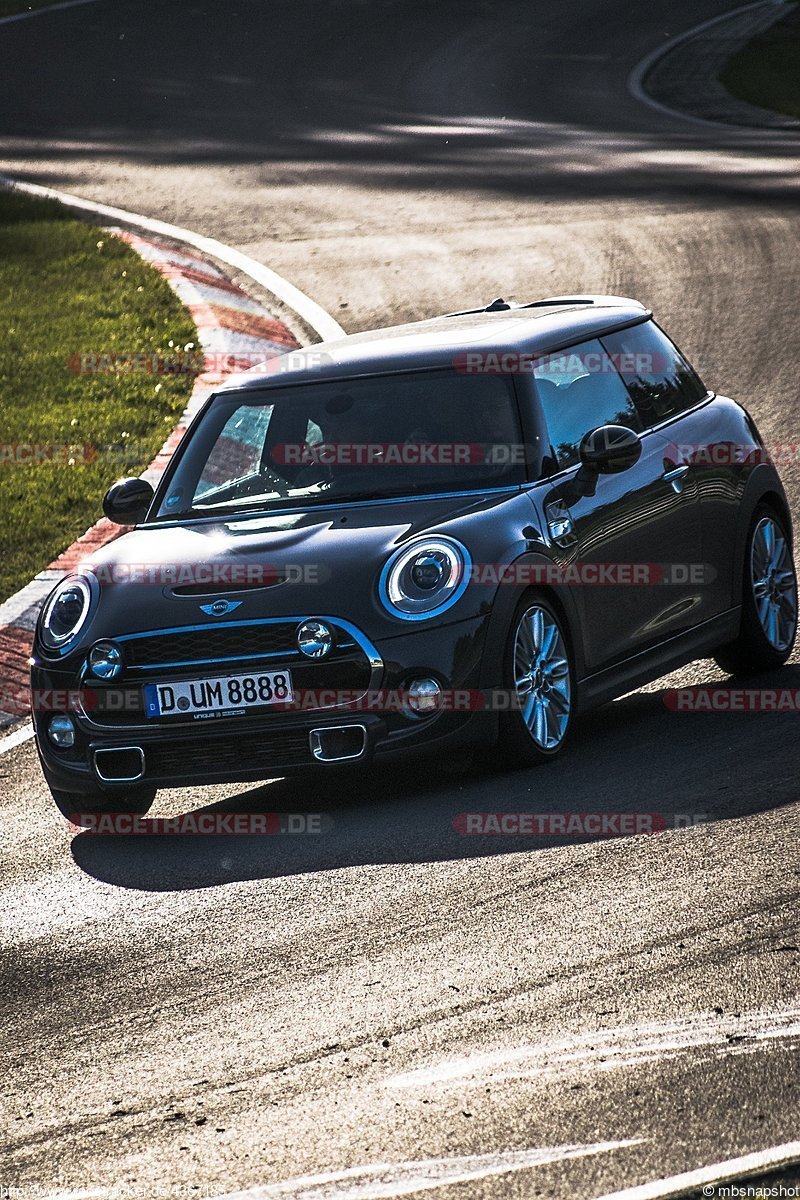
198, 757
210, 644
316, 685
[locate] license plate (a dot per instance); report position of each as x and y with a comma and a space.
224, 696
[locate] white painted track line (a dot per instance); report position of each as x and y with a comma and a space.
49, 8
708, 1177
12, 740
637, 76
381, 1181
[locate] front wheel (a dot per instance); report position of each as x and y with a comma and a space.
769, 600
75, 806
539, 678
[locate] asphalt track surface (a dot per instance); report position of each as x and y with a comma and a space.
553, 1016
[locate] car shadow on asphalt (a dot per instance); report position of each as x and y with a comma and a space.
639, 756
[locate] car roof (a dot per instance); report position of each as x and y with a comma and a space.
538, 328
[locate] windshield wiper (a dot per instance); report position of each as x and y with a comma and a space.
316, 500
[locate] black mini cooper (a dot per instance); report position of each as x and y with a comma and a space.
455, 533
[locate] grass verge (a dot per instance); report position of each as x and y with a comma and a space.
767, 70
68, 289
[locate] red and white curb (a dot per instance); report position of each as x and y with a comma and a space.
229, 322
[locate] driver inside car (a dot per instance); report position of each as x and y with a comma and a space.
337, 453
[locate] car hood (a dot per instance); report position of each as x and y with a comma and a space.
323, 562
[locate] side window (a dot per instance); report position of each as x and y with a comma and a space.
660, 380
238, 450
580, 389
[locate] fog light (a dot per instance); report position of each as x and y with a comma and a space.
423, 697
61, 732
105, 660
314, 639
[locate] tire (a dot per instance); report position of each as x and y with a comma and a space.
536, 728
769, 599
74, 805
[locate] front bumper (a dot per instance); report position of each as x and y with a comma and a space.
124, 754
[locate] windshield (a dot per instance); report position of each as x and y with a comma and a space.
349, 440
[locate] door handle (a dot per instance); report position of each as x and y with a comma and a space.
677, 477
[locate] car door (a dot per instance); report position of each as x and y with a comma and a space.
706, 439
628, 550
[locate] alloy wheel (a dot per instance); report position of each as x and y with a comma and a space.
774, 583
541, 677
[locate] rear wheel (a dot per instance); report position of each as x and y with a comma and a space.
75, 806
539, 676
769, 599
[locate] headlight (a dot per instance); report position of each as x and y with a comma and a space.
424, 578
65, 612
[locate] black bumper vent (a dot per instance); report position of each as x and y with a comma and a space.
190, 758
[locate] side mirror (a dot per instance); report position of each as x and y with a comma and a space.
127, 502
605, 451
610, 449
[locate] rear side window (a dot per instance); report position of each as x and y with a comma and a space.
660, 380
580, 389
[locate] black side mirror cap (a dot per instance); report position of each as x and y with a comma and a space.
609, 450
606, 450
127, 502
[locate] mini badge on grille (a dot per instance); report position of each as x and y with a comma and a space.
220, 608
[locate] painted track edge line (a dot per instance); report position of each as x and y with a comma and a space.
313, 314
687, 1183
635, 83
17, 738
43, 12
